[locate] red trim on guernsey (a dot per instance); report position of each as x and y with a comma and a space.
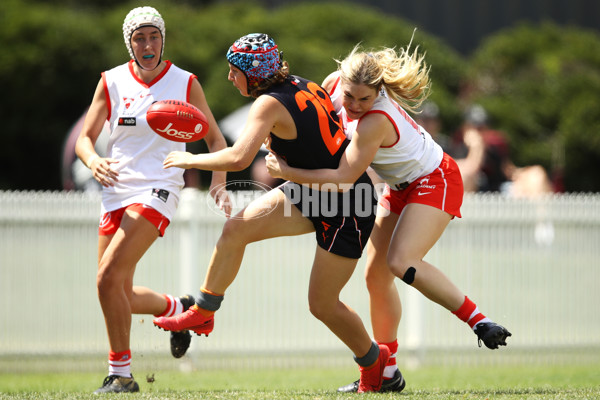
335, 85
147, 85
406, 116
108, 106
189, 87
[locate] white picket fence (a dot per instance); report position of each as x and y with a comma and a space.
532, 266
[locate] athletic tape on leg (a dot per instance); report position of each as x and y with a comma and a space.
409, 276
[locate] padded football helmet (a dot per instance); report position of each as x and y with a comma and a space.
140, 17
257, 56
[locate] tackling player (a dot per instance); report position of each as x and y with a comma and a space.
423, 191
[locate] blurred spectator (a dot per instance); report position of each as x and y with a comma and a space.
467, 148
75, 175
483, 156
429, 118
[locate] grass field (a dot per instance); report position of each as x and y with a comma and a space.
425, 383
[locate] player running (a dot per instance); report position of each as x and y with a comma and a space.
139, 197
423, 191
298, 118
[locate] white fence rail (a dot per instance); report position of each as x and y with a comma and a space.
530, 265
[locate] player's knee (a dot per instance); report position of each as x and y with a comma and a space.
319, 309
377, 277
232, 233
404, 270
106, 279
229, 228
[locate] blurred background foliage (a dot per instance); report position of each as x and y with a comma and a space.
540, 83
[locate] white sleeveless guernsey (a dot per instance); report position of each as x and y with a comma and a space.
414, 154
134, 144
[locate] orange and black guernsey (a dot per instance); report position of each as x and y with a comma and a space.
342, 221
321, 140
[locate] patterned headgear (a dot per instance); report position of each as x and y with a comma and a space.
256, 55
139, 17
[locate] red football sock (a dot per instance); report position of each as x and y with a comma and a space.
173, 307
119, 363
391, 366
469, 313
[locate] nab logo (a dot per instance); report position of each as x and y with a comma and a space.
126, 121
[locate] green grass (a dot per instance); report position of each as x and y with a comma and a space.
426, 383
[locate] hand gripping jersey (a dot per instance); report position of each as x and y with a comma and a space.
138, 149
414, 154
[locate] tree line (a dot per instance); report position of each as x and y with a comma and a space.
540, 83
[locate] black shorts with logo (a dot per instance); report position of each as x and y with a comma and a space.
343, 221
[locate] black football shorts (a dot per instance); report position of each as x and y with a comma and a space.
343, 221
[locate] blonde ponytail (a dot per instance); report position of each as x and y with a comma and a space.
403, 75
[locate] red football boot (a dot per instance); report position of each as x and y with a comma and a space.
190, 320
371, 377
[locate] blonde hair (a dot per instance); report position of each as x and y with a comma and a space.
404, 75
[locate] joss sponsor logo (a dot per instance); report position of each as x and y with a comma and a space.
183, 135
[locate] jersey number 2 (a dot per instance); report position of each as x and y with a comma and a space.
316, 96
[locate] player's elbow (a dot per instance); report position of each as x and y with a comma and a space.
346, 181
239, 163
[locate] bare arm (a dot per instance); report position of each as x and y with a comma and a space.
357, 157
92, 127
470, 165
